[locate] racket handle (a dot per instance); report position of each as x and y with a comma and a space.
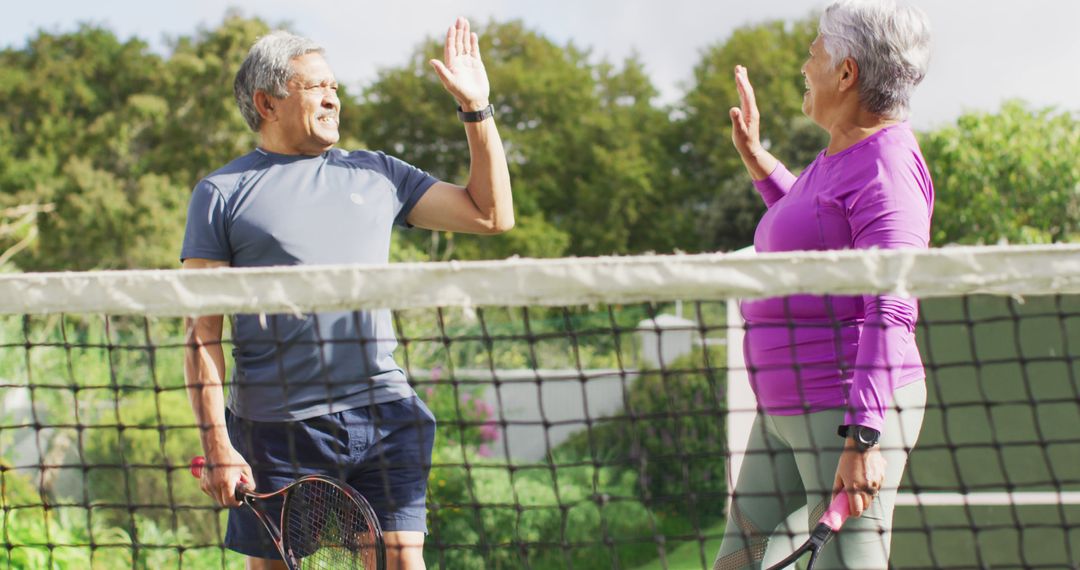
837, 512
197, 465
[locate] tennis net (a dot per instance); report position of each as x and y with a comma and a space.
592, 413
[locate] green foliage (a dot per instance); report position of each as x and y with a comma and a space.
137, 429
671, 434
516, 338
114, 136
715, 200
580, 138
1011, 175
119, 144
531, 517
40, 536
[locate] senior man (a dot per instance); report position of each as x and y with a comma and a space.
321, 393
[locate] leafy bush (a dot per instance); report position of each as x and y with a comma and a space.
486, 516
40, 536
672, 434
1011, 175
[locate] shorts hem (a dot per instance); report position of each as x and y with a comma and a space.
404, 524
275, 555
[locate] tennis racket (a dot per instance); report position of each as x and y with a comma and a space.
325, 523
830, 524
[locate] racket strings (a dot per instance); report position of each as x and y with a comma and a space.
327, 529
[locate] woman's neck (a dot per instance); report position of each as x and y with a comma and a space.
854, 128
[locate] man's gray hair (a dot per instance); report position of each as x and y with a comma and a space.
890, 44
268, 67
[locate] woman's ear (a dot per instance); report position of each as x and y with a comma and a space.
849, 74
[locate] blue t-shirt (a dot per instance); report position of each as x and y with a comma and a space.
270, 209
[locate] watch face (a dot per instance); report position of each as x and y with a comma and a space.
866, 436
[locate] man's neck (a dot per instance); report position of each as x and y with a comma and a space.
271, 142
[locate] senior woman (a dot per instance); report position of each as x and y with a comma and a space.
823, 366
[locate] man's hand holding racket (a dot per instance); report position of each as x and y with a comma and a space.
223, 471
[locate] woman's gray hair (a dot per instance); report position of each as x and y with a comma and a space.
890, 44
268, 67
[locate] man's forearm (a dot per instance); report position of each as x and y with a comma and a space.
489, 175
204, 373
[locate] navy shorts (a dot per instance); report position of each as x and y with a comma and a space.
384, 451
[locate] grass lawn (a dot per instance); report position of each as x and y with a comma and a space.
688, 555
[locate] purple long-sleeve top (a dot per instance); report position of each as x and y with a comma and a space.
807, 353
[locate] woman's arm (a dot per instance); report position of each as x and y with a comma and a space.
894, 213
888, 214
770, 177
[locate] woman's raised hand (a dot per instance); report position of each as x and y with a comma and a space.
745, 119
746, 129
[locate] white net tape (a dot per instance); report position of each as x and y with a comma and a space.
1002, 270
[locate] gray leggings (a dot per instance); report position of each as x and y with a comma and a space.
791, 463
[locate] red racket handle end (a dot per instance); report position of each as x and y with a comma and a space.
197, 464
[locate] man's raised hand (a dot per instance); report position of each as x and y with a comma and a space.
462, 71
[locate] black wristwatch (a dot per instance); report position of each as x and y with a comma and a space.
476, 116
864, 437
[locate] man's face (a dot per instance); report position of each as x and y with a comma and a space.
308, 117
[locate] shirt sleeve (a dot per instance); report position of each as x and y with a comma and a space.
776, 185
411, 184
887, 214
206, 235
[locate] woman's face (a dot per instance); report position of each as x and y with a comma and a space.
822, 84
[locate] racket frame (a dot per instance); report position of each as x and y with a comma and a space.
365, 508
829, 525
245, 495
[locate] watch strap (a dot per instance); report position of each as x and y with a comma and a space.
476, 116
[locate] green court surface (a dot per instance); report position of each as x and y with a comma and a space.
1003, 415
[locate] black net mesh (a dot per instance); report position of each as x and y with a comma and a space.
593, 436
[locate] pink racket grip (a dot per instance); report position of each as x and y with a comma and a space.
837, 513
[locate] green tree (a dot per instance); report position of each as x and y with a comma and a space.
578, 135
1011, 175
114, 137
716, 205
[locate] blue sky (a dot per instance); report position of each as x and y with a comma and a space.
986, 51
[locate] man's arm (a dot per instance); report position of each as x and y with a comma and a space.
204, 375
485, 204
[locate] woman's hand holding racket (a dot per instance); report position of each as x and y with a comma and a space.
859, 476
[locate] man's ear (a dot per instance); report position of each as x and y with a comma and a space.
264, 104
849, 74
